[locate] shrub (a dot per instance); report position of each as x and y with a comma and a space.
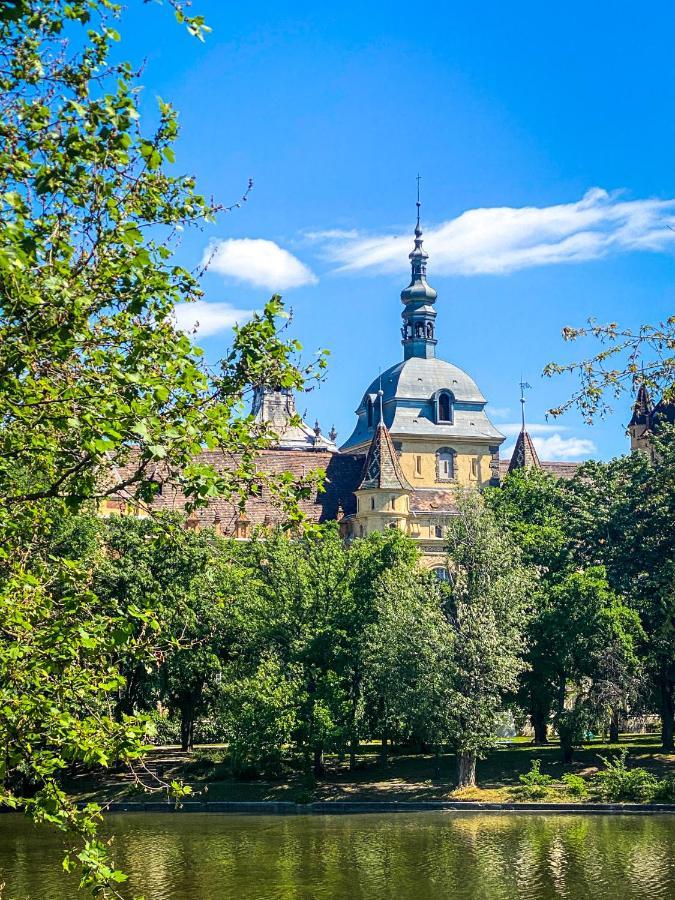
665, 791
619, 784
575, 786
534, 785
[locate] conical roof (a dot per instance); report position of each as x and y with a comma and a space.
524, 455
382, 468
642, 408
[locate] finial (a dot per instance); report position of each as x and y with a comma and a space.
332, 434
523, 387
317, 428
418, 229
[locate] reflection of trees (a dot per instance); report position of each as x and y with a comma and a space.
416, 856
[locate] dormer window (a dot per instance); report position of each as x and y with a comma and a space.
369, 412
444, 407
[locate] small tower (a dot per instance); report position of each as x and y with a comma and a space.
419, 316
641, 421
524, 455
383, 496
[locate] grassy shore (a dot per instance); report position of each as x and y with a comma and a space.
408, 776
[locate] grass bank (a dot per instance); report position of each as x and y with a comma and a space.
409, 776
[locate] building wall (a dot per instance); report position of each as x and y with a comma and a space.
419, 463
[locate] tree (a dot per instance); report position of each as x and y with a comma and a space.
629, 357
98, 389
582, 654
488, 610
531, 505
624, 512
589, 636
408, 661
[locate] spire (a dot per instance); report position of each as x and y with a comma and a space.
642, 409
382, 468
524, 454
418, 299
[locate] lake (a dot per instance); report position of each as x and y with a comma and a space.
407, 856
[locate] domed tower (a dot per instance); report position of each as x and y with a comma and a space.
433, 412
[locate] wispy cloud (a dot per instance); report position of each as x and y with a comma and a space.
511, 429
554, 447
504, 239
498, 412
259, 262
208, 318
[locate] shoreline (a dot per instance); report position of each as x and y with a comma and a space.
346, 807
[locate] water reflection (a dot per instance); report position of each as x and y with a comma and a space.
424, 855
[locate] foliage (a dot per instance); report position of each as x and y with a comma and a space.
99, 391
622, 515
575, 785
629, 357
488, 610
534, 785
583, 637
665, 790
619, 784
259, 717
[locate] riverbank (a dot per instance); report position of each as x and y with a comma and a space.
420, 779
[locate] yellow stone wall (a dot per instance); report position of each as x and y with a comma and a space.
472, 463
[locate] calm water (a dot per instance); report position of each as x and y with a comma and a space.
417, 855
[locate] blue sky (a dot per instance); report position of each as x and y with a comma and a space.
545, 137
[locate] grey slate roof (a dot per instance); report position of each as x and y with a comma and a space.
524, 454
382, 468
409, 388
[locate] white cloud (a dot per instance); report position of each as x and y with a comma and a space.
511, 429
208, 318
503, 239
261, 263
498, 412
556, 447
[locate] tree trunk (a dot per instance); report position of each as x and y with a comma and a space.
466, 768
567, 748
614, 727
667, 714
384, 752
319, 768
187, 727
353, 748
540, 725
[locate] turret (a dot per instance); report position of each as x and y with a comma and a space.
419, 316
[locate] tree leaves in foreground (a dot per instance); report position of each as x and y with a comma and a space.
98, 389
628, 358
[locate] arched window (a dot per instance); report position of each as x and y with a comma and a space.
369, 410
372, 503
445, 464
438, 531
444, 407
441, 573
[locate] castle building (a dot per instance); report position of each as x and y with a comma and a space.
421, 431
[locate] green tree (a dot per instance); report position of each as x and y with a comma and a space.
531, 504
408, 661
624, 512
488, 609
98, 390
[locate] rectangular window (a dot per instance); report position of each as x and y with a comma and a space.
393, 502
474, 467
418, 465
